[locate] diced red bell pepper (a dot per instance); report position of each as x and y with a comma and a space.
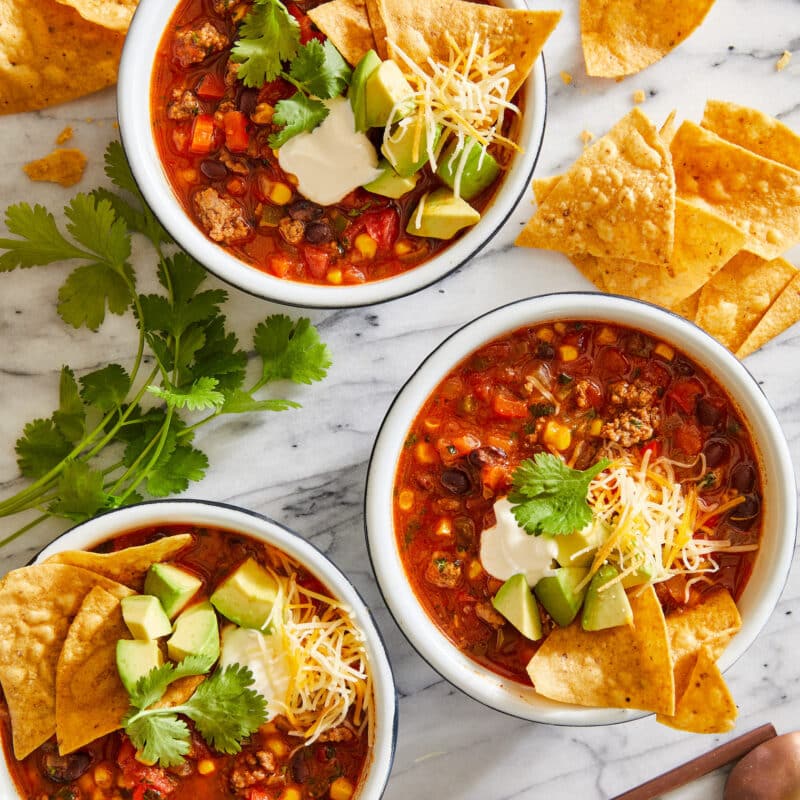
203, 135
383, 227
236, 136
257, 794
211, 87
653, 447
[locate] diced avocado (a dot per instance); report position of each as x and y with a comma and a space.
584, 543
389, 183
145, 616
399, 147
608, 608
136, 657
173, 586
386, 88
246, 596
196, 633
443, 215
357, 94
558, 595
480, 169
640, 575
516, 603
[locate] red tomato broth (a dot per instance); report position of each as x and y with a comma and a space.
464, 445
338, 261
309, 770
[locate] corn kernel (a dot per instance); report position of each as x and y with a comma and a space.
406, 500
596, 427
262, 114
444, 527
402, 249
99, 794
567, 352
557, 435
606, 335
425, 454
474, 569
103, 776
189, 175
334, 276
560, 327
280, 194
366, 245
545, 334
341, 789
291, 793
205, 766
665, 351
432, 424
277, 746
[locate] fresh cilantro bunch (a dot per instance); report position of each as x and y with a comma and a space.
224, 709
549, 497
104, 446
269, 37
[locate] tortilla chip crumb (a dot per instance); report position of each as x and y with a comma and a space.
566, 77
65, 135
64, 167
586, 137
783, 61
639, 96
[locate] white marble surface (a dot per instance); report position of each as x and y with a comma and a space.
307, 468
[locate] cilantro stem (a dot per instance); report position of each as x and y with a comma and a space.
153, 459
23, 529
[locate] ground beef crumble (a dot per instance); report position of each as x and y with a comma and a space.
221, 217
184, 105
636, 414
194, 45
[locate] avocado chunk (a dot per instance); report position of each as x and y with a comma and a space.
135, 658
357, 94
443, 215
173, 586
480, 169
608, 608
389, 183
559, 596
247, 595
577, 549
399, 147
387, 87
515, 602
145, 616
196, 633
640, 575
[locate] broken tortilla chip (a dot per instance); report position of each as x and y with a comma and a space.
622, 667
758, 195
44, 52
617, 200
346, 24
126, 566
688, 308
738, 296
65, 167
782, 314
112, 14
37, 604
622, 37
706, 706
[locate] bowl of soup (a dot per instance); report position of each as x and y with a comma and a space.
574, 498
378, 189
249, 661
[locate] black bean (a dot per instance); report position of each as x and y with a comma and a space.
708, 412
456, 481
464, 530
304, 210
214, 170
487, 455
717, 451
743, 515
743, 478
247, 101
545, 351
682, 366
299, 765
64, 769
318, 232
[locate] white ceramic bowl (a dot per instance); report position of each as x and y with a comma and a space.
135, 121
226, 517
780, 495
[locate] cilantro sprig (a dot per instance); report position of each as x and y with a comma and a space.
224, 709
548, 497
119, 433
268, 40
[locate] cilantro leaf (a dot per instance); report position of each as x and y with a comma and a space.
119, 171
80, 493
40, 448
220, 357
549, 497
161, 738
150, 688
290, 350
94, 224
201, 395
83, 297
173, 474
297, 114
268, 35
320, 69
240, 402
105, 388
70, 417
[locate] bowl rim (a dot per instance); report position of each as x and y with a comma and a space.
237, 519
474, 680
135, 128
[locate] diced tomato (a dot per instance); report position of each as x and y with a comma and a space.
685, 393
257, 794
203, 134
280, 264
211, 87
612, 363
656, 373
236, 136
316, 261
504, 405
307, 33
653, 447
495, 476
689, 439
383, 227
353, 275
144, 776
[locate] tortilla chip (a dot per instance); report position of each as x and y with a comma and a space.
668, 128
624, 667
37, 604
346, 24
64, 167
782, 314
126, 566
419, 28
738, 296
688, 308
754, 131
112, 14
543, 186
706, 706
621, 37
45, 53
617, 200
761, 197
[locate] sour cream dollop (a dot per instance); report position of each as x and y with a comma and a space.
333, 159
506, 549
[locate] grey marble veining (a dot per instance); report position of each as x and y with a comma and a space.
307, 468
